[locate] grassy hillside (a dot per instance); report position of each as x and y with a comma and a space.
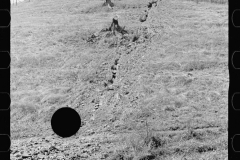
159, 91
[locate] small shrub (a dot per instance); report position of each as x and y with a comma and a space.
178, 104
190, 131
156, 142
205, 148
169, 108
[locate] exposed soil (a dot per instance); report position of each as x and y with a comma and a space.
156, 89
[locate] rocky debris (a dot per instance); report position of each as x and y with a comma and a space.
25, 155
124, 44
144, 16
114, 72
152, 3
125, 41
42, 149
92, 38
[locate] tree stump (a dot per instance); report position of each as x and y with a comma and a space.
108, 3
116, 27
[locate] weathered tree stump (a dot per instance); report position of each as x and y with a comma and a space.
116, 27
108, 3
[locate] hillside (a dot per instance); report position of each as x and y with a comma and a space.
160, 91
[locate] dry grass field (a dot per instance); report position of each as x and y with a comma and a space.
158, 92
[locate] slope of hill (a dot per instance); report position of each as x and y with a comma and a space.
159, 91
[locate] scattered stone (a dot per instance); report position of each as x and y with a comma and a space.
84, 155
41, 156
144, 16
25, 155
147, 157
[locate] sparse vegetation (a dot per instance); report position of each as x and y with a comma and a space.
149, 91
211, 1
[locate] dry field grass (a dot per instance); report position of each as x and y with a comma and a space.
211, 1
158, 92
